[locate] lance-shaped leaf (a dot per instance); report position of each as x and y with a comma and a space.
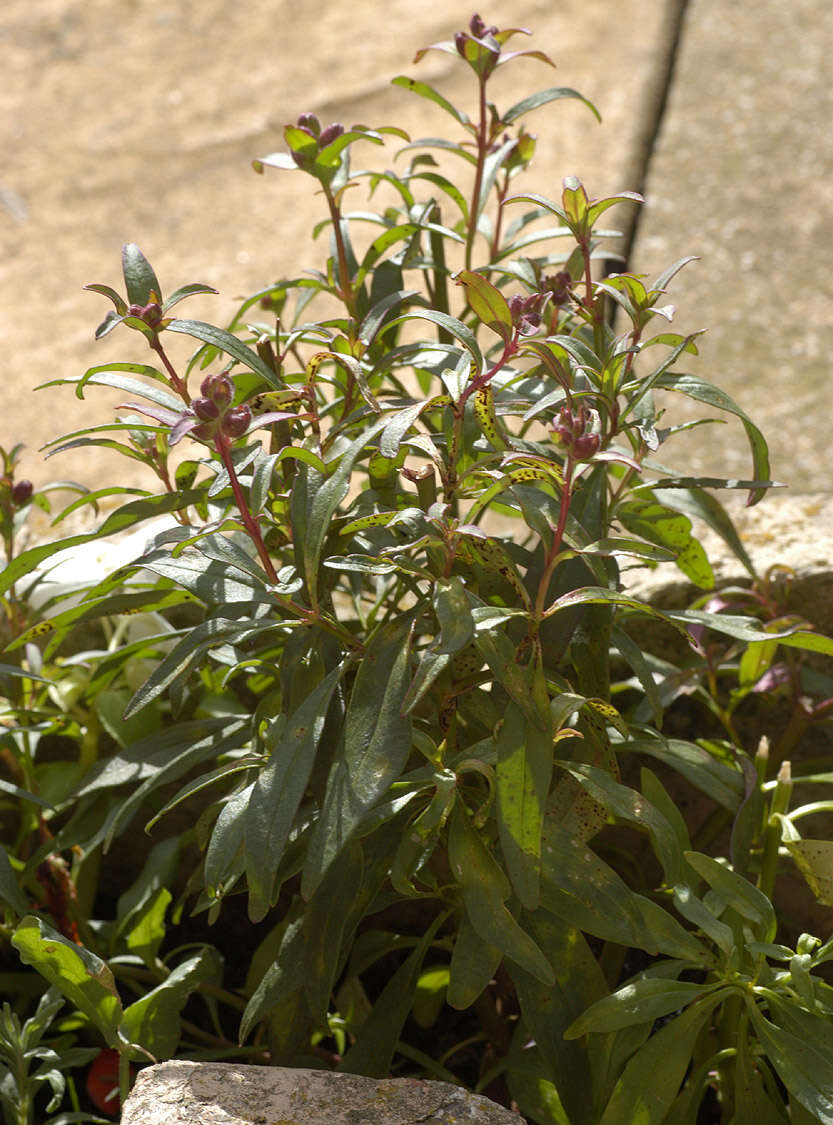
524, 770
653, 1076
377, 742
83, 978
485, 890
152, 1022
488, 303
139, 277
279, 789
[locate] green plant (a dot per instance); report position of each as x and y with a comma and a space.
384, 611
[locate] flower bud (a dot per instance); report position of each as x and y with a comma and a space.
218, 388
585, 446
460, 40
310, 124
151, 314
206, 409
236, 421
22, 493
135, 310
331, 133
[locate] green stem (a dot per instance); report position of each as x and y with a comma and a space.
347, 292
124, 1077
772, 836
478, 174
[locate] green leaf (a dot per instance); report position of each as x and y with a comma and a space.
814, 859
702, 391
650, 998
473, 964
314, 503
451, 605
580, 888
713, 777
326, 926
284, 977
737, 892
653, 1076
373, 1051
377, 743
83, 978
524, 771
802, 1063
659, 525
138, 276
10, 891
147, 932
554, 93
547, 1011
426, 91
488, 303
485, 889
152, 1022
629, 805
225, 342
750, 1089
279, 789
698, 502
450, 324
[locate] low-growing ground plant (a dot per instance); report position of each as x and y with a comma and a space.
358, 762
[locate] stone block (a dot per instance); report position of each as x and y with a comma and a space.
189, 1093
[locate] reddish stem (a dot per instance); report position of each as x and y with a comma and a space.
223, 447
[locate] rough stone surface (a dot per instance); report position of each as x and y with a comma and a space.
742, 175
794, 533
138, 122
187, 1093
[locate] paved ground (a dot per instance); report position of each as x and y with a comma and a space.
137, 122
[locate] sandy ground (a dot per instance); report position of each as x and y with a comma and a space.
138, 121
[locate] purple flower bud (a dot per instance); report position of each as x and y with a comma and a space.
460, 40
476, 25
135, 310
151, 314
218, 388
585, 446
310, 124
236, 421
22, 493
330, 134
206, 409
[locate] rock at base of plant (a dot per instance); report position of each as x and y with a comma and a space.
188, 1093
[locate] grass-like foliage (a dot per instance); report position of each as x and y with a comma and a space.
354, 757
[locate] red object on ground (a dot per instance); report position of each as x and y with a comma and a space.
103, 1081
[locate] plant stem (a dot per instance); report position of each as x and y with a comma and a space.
478, 174
772, 835
558, 536
347, 293
178, 384
224, 449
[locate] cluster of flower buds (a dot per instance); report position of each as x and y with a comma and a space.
215, 412
559, 286
151, 313
526, 312
308, 123
572, 431
480, 49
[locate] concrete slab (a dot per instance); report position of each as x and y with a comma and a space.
742, 174
137, 123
